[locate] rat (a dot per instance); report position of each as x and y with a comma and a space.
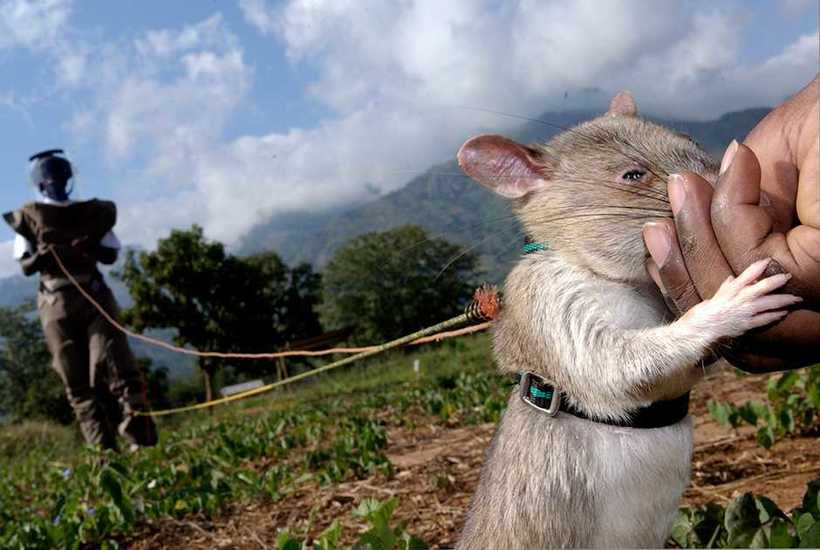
595, 446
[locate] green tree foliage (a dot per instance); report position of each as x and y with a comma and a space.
157, 385
29, 388
391, 283
217, 301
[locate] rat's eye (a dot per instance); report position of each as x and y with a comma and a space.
634, 175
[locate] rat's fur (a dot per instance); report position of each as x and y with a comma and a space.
586, 316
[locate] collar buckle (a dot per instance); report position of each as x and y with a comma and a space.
539, 394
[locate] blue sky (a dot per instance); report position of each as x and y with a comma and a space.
224, 113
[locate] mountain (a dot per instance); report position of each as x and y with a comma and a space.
448, 204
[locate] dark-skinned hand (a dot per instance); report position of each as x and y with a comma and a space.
766, 205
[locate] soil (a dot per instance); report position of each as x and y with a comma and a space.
436, 470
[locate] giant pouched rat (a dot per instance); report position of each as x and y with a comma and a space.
582, 315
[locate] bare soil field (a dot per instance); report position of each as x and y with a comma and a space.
436, 469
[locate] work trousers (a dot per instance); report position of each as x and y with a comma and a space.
101, 377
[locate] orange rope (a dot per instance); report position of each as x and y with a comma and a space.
224, 355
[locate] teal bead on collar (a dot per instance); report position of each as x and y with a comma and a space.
529, 248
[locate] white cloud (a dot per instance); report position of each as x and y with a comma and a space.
34, 24
161, 103
400, 79
8, 265
258, 14
399, 75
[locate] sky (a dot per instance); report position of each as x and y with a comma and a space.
227, 113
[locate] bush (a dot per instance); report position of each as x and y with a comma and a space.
793, 407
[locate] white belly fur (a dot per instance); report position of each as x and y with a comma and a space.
642, 475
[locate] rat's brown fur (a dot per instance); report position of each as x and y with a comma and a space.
586, 316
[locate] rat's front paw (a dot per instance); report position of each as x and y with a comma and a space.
742, 303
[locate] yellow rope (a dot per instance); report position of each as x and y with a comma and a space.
463, 318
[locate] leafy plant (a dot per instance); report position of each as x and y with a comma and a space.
750, 521
381, 535
793, 407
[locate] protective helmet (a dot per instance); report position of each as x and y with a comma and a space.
50, 173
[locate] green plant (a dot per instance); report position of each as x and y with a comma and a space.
381, 535
750, 521
793, 407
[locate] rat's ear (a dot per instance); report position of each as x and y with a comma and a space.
504, 166
623, 104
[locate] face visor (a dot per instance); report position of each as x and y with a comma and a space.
50, 173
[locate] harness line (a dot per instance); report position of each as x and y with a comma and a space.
484, 308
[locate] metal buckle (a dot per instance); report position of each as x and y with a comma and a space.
555, 401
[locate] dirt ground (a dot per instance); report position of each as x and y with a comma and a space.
436, 471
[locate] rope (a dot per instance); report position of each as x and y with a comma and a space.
463, 318
485, 305
186, 351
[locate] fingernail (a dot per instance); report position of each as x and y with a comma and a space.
676, 191
728, 157
797, 299
657, 242
655, 274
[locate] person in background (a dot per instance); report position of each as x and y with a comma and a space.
101, 377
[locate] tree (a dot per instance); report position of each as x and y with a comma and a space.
391, 283
29, 388
157, 385
217, 301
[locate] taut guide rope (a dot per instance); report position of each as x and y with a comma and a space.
484, 307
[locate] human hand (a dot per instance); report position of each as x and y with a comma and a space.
760, 209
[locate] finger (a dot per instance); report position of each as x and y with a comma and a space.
776, 301
767, 285
736, 205
763, 319
759, 363
744, 230
673, 278
804, 240
690, 197
794, 339
751, 273
654, 274
778, 174
785, 143
808, 188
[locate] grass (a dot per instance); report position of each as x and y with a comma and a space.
325, 430
54, 493
38, 436
381, 373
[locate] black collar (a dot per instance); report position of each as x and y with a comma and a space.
543, 396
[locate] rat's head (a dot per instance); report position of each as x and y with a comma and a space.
589, 191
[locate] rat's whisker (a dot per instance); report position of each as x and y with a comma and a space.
443, 234
623, 215
460, 255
